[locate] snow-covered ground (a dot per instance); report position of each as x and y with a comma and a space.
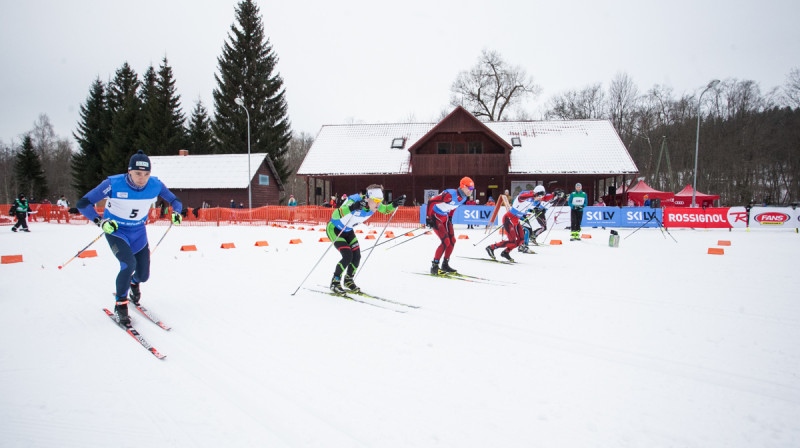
652, 344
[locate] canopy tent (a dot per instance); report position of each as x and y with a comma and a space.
683, 198
638, 192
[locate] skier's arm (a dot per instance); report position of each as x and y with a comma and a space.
86, 204
444, 197
392, 206
170, 197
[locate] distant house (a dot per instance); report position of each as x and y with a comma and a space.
217, 179
418, 159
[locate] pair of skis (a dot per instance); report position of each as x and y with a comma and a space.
367, 299
469, 278
132, 332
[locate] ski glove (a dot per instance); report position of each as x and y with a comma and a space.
431, 222
399, 202
176, 218
108, 225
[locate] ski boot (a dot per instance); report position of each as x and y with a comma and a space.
336, 286
135, 295
523, 249
506, 255
13, 229
435, 267
575, 236
350, 284
26, 230
490, 251
121, 310
446, 267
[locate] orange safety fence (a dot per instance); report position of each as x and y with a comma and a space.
405, 217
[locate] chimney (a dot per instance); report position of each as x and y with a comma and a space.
183, 152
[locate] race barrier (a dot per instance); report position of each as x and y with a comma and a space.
774, 217
306, 217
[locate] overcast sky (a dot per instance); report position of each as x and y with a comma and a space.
373, 61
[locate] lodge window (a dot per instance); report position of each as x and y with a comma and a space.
398, 143
444, 148
263, 180
475, 147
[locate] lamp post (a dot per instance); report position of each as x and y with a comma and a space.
710, 85
240, 102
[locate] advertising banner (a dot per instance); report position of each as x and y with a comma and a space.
774, 217
698, 218
476, 215
622, 217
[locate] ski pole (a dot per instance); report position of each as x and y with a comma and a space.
318, 261
162, 237
392, 239
81, 251
376, 243
487, 236
403, 242
551, 227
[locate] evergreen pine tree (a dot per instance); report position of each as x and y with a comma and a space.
163, 131
200, 135
246, 70
92, 136
125, 107
29, 173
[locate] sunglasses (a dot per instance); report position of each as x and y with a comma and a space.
377, 200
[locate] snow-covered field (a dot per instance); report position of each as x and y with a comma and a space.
652, 344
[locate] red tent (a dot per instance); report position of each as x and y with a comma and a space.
637, 194
683, 198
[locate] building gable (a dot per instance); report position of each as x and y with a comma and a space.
460, 128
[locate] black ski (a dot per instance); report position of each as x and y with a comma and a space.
146, 313
464, 278
370, 296
488, 259
134, 334
354, 299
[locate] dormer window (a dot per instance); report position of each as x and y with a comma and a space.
398, 143
516, 141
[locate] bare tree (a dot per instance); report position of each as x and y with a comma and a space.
577, 104
55, 154
8, 186
791, 90
623, 96
298, 148
492, 87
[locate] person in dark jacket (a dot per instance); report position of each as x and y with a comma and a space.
20, 210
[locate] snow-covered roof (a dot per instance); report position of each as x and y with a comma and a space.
552, 147
206, 171
561, 147
362, 149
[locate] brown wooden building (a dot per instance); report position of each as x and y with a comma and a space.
217, 179
418, 159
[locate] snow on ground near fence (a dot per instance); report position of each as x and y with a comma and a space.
652, 344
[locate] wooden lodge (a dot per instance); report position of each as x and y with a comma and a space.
421, 159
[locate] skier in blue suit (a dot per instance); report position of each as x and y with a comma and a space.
129, 199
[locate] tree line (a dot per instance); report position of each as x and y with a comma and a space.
749, 145
130, 112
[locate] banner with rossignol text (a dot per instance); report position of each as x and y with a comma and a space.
705, 218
